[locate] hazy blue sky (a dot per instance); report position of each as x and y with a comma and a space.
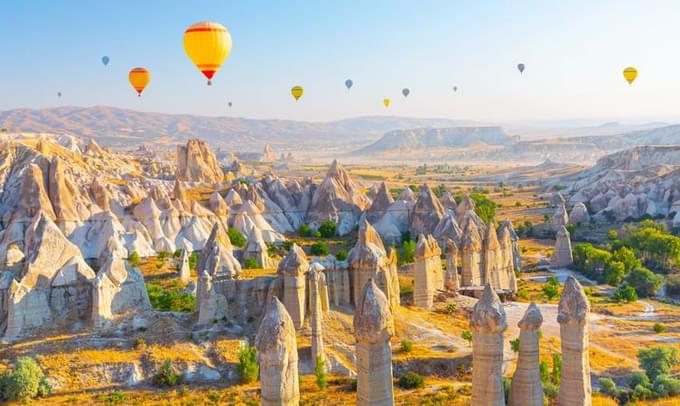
574, 52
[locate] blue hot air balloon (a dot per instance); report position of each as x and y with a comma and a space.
105, 60
348, 83
520, 67
405, 92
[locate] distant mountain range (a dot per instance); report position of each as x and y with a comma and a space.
120, 127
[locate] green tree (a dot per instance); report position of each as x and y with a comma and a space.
406, 346
167, 376
134, 259
607, 386
248, 369
639, 378
614, 272
626, 256
25, 382
236, 238
658, 360
251, 263
320, 249
514, 345
411, 380
467, 336
551, 288
341, 255
327, 229
645, 282
320, 373
405, 254
665, 386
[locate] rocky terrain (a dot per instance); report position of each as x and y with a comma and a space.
630, 184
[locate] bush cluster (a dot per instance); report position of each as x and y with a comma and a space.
170, 300
248, 369
25, 382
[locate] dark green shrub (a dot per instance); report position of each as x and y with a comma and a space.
625, 293
665, 385
341, 255
251, 263
467, 336
607, 386
614, 272
405, 254
411, 380
237, 239
25, 382
639, 378
451, 308
645, 282
171, 300
642, 393
248, 369
320, 249
177, 253
514, 345
116, 398
193, 260
327, 229
166, 376
659, 328
163, 254
305, 231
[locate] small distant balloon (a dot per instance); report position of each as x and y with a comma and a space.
630, 73
455, 88
349, 84
59, 95
387, 102
105, 60
297, 92
229, 104
520, 67
139, 78
405, 92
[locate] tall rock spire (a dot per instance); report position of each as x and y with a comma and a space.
293, 268
527, 388
562, 255
471, 248
315, 302
451, 282
373, 327
278, 357
488, 324
572, 314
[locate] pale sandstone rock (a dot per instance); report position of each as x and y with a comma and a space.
516, 255
373, 327
492, 261
369, 260
117, 290
33, 195
452, 282
560, 217
184, 270
179, 195
572, 314
294, 268
427, 212
381, 203
527, 388
278, 358
448, 228
562, 255
257, 249
471, 249
449, 203
316, 305
579, 214
210, 304
196, 162
466, 205
217, 256
507, 263
488, 324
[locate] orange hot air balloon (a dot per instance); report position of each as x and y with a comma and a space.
207, 44
139, 78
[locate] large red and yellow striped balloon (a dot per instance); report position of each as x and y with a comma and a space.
139, 78
207, 44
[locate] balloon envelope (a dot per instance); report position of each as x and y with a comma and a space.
207, 44
139, 78
105, 60
405, 92
386, 102
520, 67
297, 92
630, 73
455, 88
59, 94
229, 104
348, 83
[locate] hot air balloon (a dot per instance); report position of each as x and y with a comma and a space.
105, 60
139, 78
59, 95
520, 68
297, 92
207, 44
405, 92
386, 102
455, 88
229, 104
348, 83
630, 73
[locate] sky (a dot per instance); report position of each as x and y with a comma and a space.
574, 54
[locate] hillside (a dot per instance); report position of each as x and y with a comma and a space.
119, 127
454, 137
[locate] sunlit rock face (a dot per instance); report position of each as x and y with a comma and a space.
196, 162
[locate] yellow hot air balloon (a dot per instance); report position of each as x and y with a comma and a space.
630, 73
207, 44
386, 102
297, 92
139, 78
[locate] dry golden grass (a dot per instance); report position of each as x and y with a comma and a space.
256, 273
